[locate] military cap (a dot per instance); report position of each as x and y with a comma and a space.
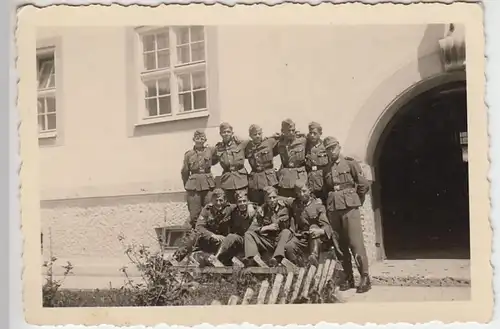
315, 125
224, 126
217, 193
268, 190
330, 141
199, 134
254, 129
287, 124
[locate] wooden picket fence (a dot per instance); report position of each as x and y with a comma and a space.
297, 285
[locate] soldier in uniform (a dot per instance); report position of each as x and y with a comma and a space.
230, 154
271, 231
241, 219
260, 153
347, 187
212, 226
292, 151
316, 160
197, 176
310, 226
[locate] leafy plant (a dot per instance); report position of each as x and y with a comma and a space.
50, 289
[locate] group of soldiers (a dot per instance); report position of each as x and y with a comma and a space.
311, 204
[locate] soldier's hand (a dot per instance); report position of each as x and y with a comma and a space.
217, 237
316, 232
276, 135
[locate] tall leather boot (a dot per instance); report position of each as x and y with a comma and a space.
365, 282
348, 282
314, 246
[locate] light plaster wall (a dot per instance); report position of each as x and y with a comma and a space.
264, 74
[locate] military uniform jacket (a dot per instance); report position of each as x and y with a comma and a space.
345, 183
212, 221
278, 215
196, 169
312, 213
316, 161
242, 220
231, 158
293, 157
260, 157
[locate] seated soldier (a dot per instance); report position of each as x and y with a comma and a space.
310, 226
241, 218
269, 231
211, 227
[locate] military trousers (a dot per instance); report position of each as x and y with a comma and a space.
299, 245
347, 224
194, 242
196, 200
231, 246
287, 192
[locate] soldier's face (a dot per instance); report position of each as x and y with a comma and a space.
219, 202
256, 136
314, 135
289, 133
333, 152
242, 203
199, 141
303, 193
271, 199
226, 134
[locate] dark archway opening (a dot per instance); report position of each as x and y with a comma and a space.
423, 177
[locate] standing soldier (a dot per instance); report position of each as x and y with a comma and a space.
311, 227
211, 228
197, 176
269, 232
260, 153
316, 160
241, 219
292, 151
347, 188
230, 154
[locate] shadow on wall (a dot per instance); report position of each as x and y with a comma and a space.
429, 45
171, 127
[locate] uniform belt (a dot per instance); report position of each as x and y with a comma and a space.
343, 186
200, 171
231, 169
262, 169
314, 168
293, 166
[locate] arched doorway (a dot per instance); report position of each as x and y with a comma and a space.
422, 176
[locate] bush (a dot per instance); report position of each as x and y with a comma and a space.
50, 289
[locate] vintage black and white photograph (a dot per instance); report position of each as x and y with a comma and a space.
204, 164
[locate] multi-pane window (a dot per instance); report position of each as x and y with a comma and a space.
172, 237
173, 73
463, 138
46, 77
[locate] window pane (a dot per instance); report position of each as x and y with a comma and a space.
183, 54
51, 104
150, 88
52, 81
164, 86
199, 80
41, 123
165, 105
197, 33
198, 51
44, 75
175, 238
51, 121
183, 35
162, 40
163, 59
148, 42
185, 102
184, 81
200, 99
41, 105
150, 61
152, 107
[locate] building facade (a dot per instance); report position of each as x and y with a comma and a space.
118, 107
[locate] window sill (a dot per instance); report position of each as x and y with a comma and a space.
170, 118
47, 134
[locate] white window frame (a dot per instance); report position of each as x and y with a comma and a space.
50, 91
171, 73
165, 235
